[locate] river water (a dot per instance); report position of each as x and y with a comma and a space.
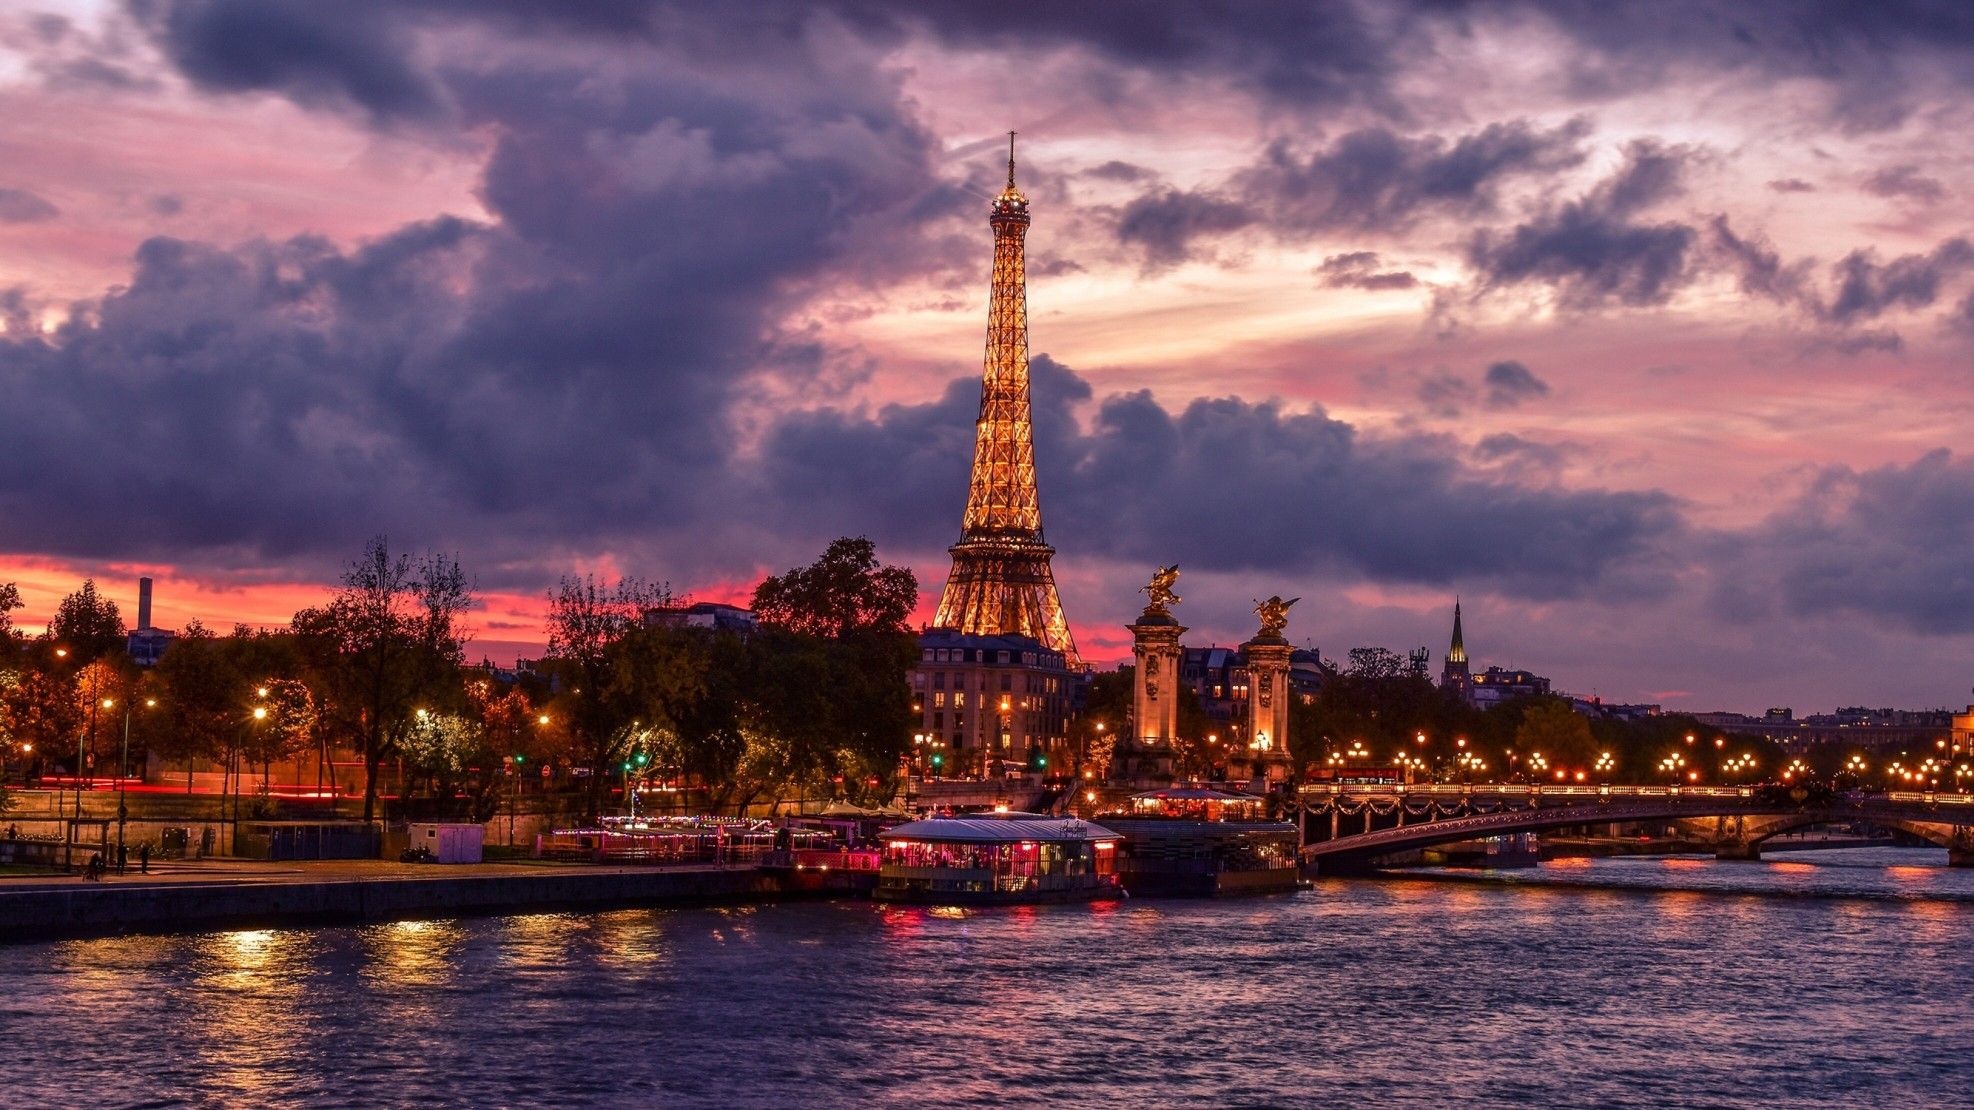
1818, 978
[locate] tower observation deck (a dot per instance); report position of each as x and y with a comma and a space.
1001, 582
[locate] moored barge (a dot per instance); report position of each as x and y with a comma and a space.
1196, 842
1004, 858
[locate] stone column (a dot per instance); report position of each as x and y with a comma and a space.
1268, 708
1960, 847
1155, 700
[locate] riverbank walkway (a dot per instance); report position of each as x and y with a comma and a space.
212, 894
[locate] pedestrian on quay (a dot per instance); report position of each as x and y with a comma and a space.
94, 870
144, 857
123, 860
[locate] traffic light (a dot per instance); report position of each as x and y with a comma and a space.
519, 758
938, 759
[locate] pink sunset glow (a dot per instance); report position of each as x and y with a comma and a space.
1647, 336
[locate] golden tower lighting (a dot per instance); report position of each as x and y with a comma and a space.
1001, 581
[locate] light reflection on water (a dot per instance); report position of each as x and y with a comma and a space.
1639, 981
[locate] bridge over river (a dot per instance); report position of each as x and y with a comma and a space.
1347, 827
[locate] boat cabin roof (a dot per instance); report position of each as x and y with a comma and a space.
997, 830
1193, 794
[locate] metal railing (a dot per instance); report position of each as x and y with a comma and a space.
1543, 790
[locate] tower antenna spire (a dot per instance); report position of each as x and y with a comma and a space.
1010, 159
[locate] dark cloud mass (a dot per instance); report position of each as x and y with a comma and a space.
569, 372
1889, 543
1372, 180
1228, 484
1167, 223
315, 53
1906, 183
1362, 270
1510, 383
1593, 251
18, 206
1866, 289
584, 373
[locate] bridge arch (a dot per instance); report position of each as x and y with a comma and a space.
1754, 820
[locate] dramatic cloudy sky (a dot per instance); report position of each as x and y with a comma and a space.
1646, 329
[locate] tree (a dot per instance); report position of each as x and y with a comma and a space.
201, 696
88, 625
464, 754
1553, 734
1192, 755
10, 600
102, 684
1383, 709
841, 624
40, 712
282, 723
1106, 703
1376, 662
389, 642
845, 592
592, 627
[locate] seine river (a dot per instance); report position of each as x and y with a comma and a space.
1824, 978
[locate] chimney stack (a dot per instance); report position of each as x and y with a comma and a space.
143, 604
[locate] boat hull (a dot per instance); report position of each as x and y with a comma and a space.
1183, 858
996, 898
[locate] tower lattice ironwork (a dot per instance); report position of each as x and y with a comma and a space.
1001, 581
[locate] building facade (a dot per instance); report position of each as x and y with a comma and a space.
1495, 685
1219, 677
988, 705
710, 615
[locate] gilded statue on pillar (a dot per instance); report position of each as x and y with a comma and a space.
1159, 589
1274, 614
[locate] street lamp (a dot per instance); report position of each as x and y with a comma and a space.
123, 772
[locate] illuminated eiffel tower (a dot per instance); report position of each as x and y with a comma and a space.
1001, 580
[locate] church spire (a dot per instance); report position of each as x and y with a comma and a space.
1454, 675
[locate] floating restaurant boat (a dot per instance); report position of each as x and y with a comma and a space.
1197, 842
998, 859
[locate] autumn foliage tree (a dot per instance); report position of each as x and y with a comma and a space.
615, 675
838, 631
845, 593
390, 641
88, 625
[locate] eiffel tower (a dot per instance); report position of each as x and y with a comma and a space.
1001, 581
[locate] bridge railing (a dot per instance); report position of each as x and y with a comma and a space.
1523, 790
1571, 792
1929, 797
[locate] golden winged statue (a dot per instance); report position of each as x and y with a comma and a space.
1274, 614
1159, 589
